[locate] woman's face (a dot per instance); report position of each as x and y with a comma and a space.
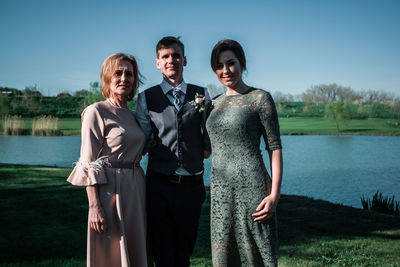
229, 71
122, 79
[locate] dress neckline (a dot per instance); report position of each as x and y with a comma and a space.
244, 93
114, 106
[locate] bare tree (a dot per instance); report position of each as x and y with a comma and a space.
215, 90
349, 95
377, 96
326, 93
281, 97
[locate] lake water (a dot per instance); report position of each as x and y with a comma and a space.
339, 169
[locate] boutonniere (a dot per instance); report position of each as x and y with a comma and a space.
199, 102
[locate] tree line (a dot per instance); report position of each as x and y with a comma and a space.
331, 100
30, 103
327, 93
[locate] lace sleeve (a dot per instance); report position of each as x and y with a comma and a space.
269, 120
89, 169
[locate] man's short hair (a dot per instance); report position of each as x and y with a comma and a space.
168, 41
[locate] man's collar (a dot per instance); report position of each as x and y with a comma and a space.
166, 87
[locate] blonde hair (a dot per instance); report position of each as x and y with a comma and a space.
108, 68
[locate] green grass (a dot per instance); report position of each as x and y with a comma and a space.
44, 223
44, 219
316, 125
70, 126
289, 126
319, 233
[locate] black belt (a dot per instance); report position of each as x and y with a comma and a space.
178, 179
123, 165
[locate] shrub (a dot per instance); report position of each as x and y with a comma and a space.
381, 204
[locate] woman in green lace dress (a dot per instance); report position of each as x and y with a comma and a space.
243, 195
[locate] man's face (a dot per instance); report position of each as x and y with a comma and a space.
171, 62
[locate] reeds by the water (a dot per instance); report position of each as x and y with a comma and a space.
41, 126
381, 204
45, 126
14, 125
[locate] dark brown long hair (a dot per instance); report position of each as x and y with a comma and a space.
228, 45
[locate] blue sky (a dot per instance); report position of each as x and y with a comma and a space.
290, 45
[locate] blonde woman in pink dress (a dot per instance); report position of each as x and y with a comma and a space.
108, 167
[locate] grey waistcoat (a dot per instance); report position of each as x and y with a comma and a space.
178, 139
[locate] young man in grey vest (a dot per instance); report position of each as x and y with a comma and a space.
172, 116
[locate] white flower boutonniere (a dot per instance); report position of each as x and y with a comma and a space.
199, 102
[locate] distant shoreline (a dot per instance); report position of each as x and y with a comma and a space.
288, 126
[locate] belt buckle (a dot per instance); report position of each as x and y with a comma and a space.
177, 181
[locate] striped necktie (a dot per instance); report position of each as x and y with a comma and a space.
177, 98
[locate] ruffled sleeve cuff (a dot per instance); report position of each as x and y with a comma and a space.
89, 173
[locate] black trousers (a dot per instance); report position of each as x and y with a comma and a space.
173, 212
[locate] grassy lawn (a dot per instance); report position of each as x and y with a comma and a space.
44, 223
316, 125
70, 126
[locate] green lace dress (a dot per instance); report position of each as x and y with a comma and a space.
239, 179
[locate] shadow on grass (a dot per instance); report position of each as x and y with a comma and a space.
44, 218
301, 218
355, 130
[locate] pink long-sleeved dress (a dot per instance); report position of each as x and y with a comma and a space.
111, 134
